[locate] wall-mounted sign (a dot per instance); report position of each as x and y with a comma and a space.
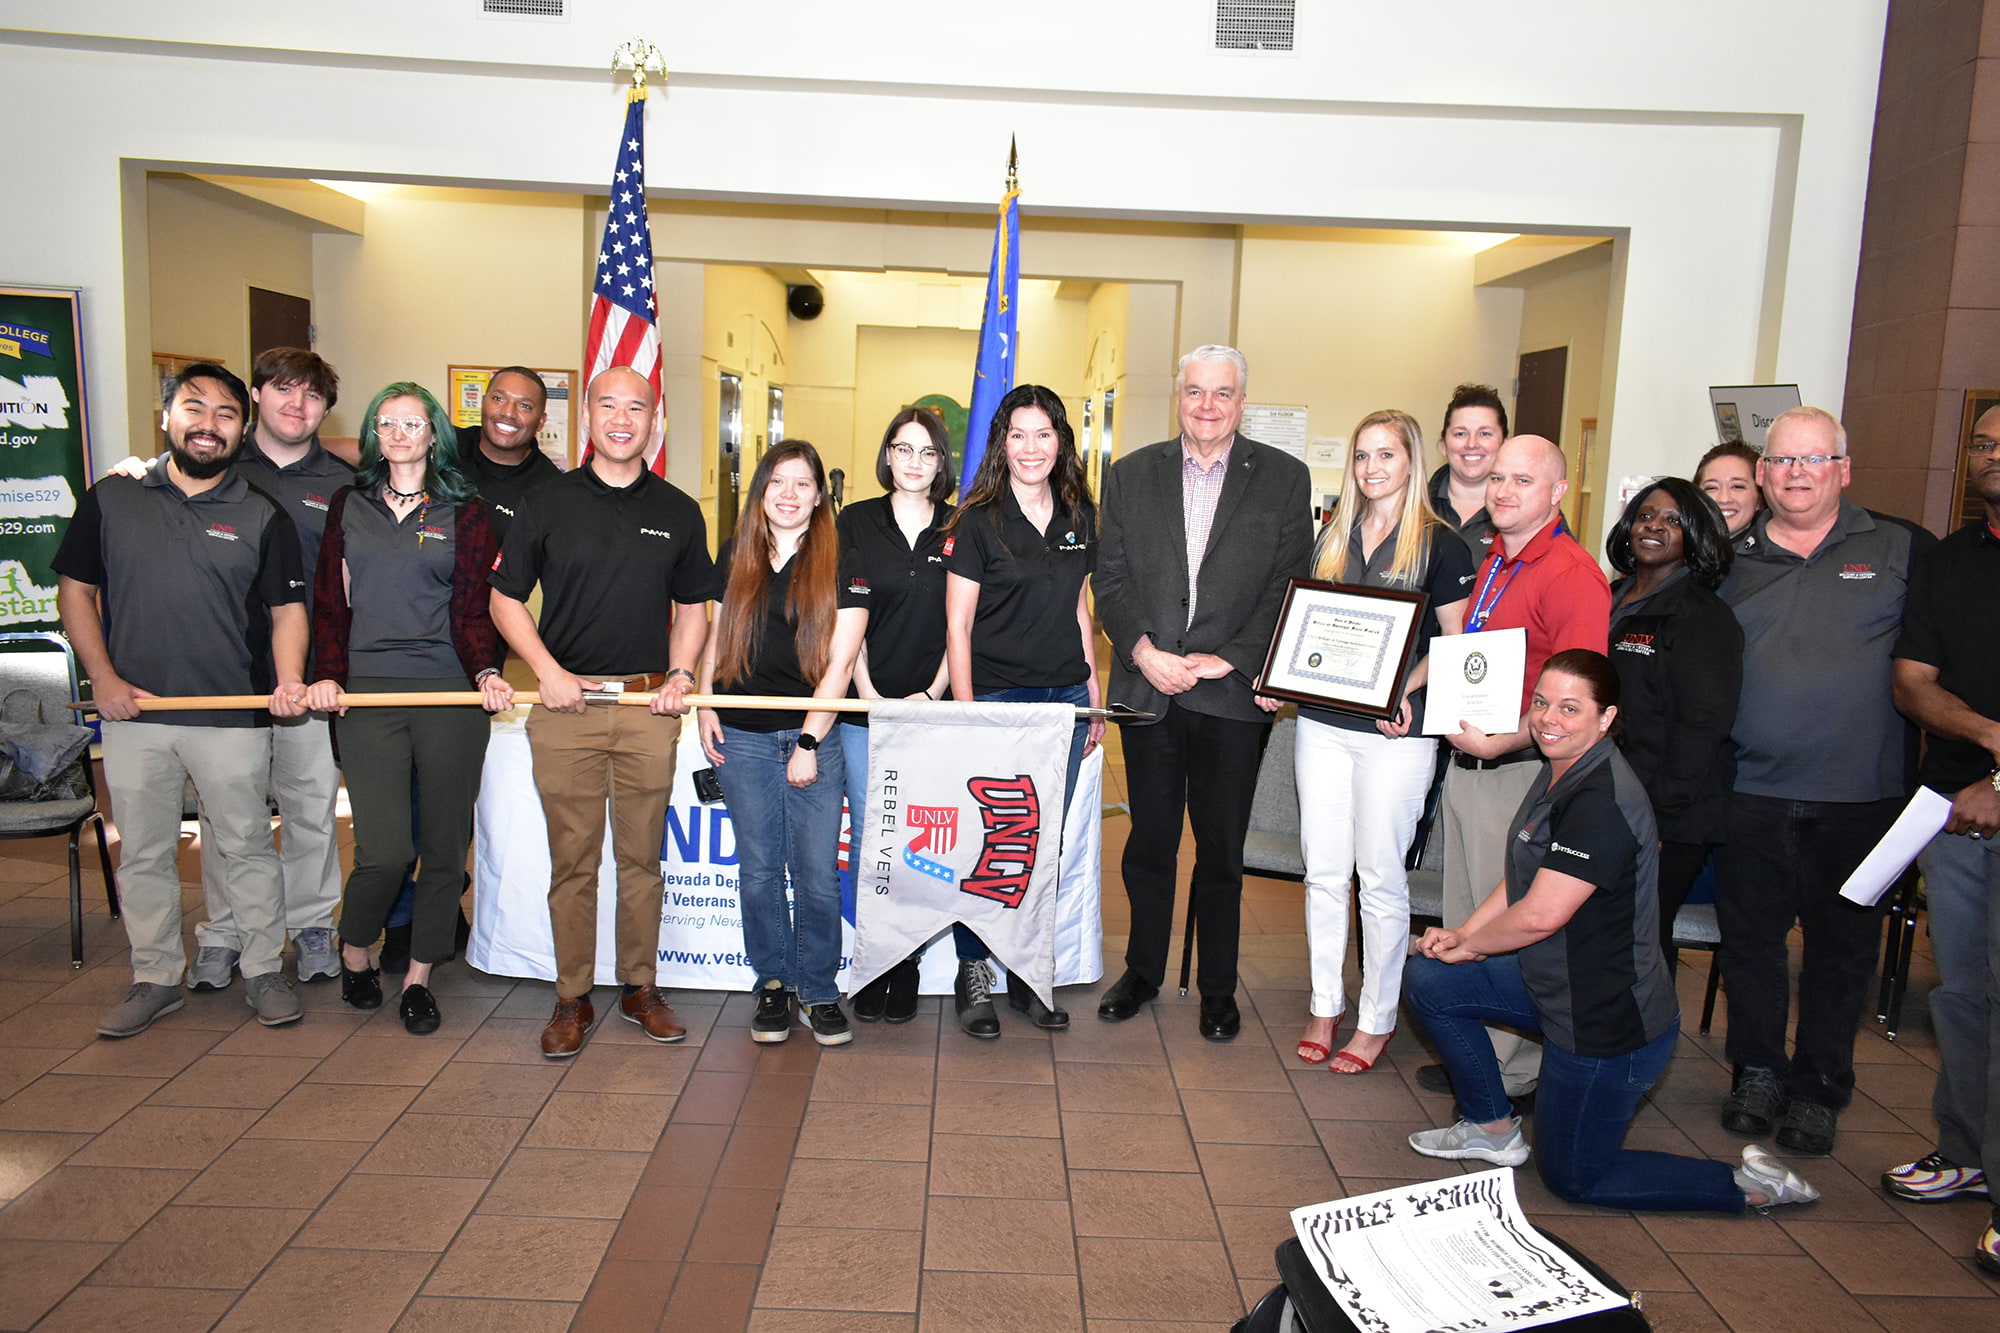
1279, 425
1745, 411
557, 437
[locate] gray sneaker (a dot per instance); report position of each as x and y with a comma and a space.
214, 968
1761, 1173
271, 996
146, 1001
1467, 1141
314, 950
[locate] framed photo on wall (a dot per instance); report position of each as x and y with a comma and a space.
467, 386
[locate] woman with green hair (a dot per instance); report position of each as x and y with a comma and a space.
400, 606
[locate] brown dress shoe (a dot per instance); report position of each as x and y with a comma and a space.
563, 1037
648, 1007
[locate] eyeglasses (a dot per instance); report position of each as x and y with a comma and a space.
401, 425
1800, 460
903, 453
1981, 445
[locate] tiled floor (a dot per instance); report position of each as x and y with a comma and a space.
342, 1175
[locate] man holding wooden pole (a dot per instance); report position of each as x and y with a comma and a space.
622, 559
189, 583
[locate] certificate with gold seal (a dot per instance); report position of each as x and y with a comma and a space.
1476, 678
1343, 647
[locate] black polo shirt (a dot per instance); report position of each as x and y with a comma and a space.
612, 561
1952, 622
304, 489
1816, 720
187, 583
906, 614
776, 669
1024, 632
1600, 982
1477, 531
504, 486
399, 588
1446, 577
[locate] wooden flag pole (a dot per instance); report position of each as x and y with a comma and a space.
462, 698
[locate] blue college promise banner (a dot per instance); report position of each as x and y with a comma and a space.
43, 444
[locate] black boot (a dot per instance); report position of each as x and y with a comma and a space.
871, 1000
396, 949
972, 995
902, 1006
1024, 1001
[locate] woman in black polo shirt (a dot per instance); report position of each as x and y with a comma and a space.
790, 622
400, 606
1362, 783
1017, 619
1568, 946
898, 541
1679, 655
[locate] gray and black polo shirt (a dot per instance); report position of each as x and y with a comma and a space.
188, 582
304, 488
1816, 720
1477, 532
1600, 983
399, 588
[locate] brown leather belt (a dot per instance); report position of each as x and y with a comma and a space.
1464, 760
635, 684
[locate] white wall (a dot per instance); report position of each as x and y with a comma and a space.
1554, 114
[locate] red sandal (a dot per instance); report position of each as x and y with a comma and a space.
1313, 1053
1354, 1059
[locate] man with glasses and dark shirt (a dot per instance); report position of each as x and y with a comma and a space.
1945, 681
1822, 769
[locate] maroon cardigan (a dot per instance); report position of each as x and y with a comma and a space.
472, 632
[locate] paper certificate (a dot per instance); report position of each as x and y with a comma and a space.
1344, 647
1922, 819
1476, 678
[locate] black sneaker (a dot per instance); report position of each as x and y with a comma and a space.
1808, 1127
773, 1019
829, 1024
1755, 1103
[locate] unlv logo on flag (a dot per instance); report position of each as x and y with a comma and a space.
936, 828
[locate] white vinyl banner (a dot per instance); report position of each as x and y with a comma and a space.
964, 824
701, 931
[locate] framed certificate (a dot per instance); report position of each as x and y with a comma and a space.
1343, 647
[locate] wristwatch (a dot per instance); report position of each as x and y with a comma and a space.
808, 742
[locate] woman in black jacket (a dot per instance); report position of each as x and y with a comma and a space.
1679, 654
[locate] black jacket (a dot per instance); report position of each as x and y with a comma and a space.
1679, 656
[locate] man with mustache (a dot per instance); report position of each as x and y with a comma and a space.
189, 582
1946, 682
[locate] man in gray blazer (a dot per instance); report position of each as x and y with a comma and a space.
1201, 535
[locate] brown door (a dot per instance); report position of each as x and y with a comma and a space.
278, 320
1538, 403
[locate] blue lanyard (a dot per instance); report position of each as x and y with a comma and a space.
1481, 606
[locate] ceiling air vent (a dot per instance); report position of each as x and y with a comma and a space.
523, 9
1251, 26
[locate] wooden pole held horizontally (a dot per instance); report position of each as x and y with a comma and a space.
462, 698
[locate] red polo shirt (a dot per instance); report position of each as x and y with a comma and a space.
1553, 590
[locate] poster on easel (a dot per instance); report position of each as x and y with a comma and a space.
44, 446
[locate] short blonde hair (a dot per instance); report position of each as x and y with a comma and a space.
1817, 416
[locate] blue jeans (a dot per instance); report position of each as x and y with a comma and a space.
970, 946
781, 828
1584, 1103
1962, 877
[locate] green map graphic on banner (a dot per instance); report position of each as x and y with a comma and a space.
43, 443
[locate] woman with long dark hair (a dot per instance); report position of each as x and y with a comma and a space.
790, 622
400, 606
1679, 655
1017, 618
1727, 474
897, 540
1362, 783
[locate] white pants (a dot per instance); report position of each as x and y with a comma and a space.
306, 782
1360, 796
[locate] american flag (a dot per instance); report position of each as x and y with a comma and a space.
624, 318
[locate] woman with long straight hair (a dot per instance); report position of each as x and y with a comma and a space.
898, 541
1017, 617
1362, 782
400, 606
790, 622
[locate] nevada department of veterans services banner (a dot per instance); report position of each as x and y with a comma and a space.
43, 445
964, 823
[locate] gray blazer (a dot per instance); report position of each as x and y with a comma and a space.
1261, 539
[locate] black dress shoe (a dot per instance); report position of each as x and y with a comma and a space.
361, 990
903, 979
420, 1011
1220, 1019
1024, 1001
1127, 996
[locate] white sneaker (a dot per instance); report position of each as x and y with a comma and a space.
1466, 1140
314, 950
1764, 1174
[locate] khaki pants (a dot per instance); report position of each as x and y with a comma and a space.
305, 781
1478, 817
623, 755
145, 767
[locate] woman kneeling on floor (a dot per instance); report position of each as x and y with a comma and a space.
1568, 947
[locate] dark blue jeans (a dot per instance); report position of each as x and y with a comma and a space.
970, 946
1584, 1104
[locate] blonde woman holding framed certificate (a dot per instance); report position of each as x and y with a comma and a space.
1362, 782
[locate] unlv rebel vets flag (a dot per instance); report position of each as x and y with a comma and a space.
964, 823
624, 317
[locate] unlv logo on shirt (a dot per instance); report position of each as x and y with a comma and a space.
1861, 571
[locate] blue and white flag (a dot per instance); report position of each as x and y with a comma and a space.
993, 376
